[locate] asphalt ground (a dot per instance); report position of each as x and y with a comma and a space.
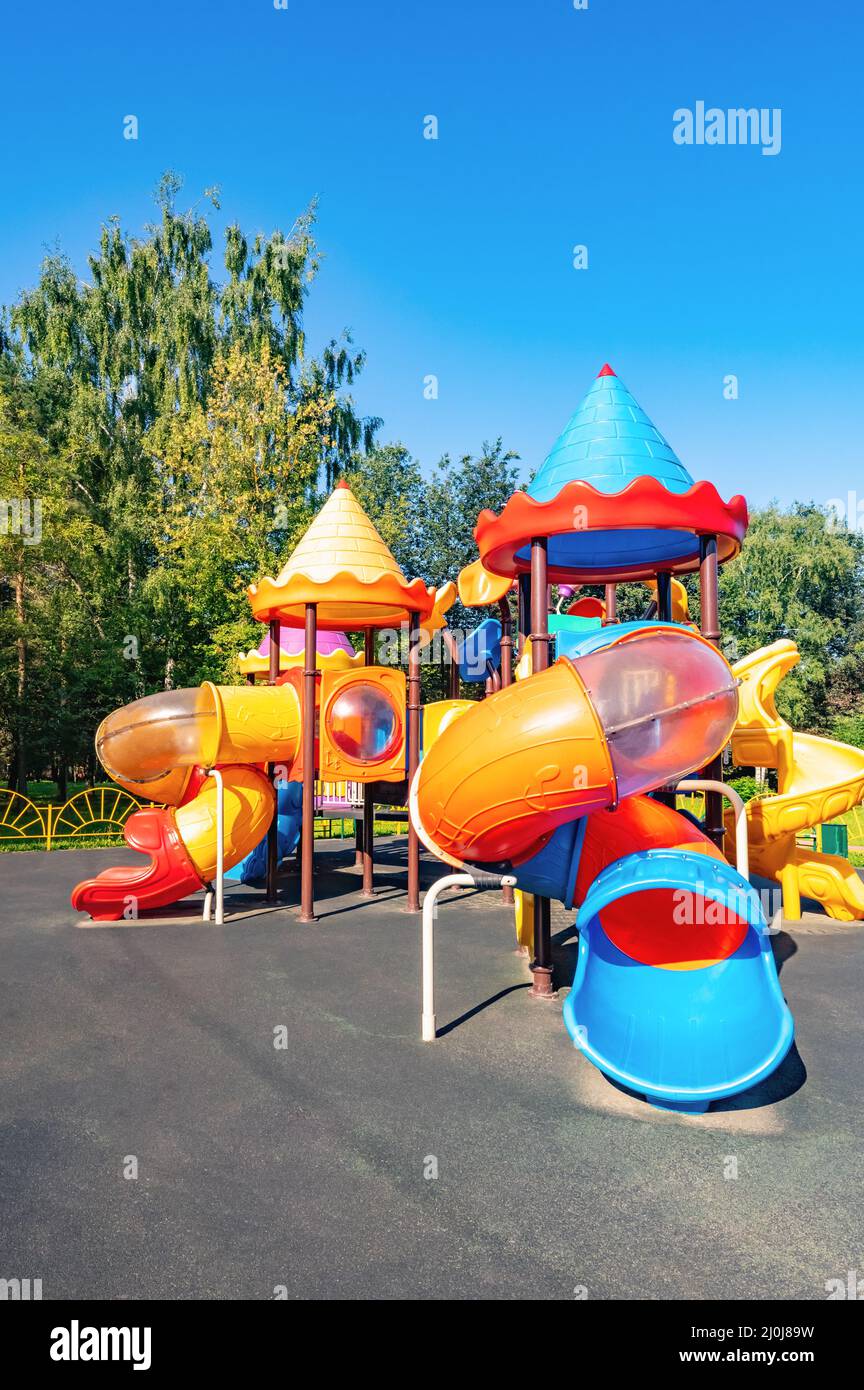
290, 1132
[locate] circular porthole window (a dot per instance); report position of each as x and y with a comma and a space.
363, 723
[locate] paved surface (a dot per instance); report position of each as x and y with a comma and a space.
304, 1166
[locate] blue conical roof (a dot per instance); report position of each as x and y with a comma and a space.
608, 442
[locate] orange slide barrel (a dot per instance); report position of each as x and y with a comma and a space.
645, 709
513, 768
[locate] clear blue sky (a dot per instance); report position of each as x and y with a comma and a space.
455, 257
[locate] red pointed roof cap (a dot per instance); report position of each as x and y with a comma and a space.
606, 370
342, 483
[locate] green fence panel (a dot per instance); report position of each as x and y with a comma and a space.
835, 840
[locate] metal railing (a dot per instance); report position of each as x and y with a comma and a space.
707, 784
477, 879
108, 807
481, 880
101, 812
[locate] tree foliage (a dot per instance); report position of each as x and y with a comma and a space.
176, 433
165, 429
801, 576
178, 436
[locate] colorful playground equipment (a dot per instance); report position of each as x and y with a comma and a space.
818, 780
164, 747
560, 781
564, 781
339, 717
334, 652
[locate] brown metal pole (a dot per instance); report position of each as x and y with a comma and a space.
368, 890
358, 838
664, 596
275, 638
506, 679
709, 592
523, 612
709, 607
539, 609
611, 604
307, 834
453, 687
413, 760
541, 966
270, 893
506, 642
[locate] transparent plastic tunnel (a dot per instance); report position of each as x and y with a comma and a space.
668, 705
146, 739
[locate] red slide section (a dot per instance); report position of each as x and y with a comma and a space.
168, 876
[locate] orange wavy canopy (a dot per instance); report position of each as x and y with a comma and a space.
601, 537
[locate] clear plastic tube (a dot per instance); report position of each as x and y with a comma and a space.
145, 740
667, 703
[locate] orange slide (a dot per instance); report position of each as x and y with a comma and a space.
675, 994
159, 748
647, 705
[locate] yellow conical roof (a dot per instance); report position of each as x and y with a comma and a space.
341, 538
343, 566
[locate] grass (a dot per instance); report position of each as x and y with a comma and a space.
15, 844
45, 793
854, 820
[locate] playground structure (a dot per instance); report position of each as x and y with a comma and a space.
560, 782
818, 780
565, 782
333, 653
335, 716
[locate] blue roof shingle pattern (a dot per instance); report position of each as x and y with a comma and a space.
608, 442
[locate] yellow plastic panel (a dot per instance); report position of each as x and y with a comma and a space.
362, 725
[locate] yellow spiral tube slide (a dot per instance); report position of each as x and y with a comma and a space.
248, 801
152, 746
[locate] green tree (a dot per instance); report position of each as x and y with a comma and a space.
456, 494
237, 485
45, 542
389, 485
801, 576
177, 434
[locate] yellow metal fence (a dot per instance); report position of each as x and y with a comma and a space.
91, 814
101, 812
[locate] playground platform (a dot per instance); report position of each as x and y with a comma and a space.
307, 1167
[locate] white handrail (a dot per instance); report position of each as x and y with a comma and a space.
220, 853
707, 784
428, 1026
